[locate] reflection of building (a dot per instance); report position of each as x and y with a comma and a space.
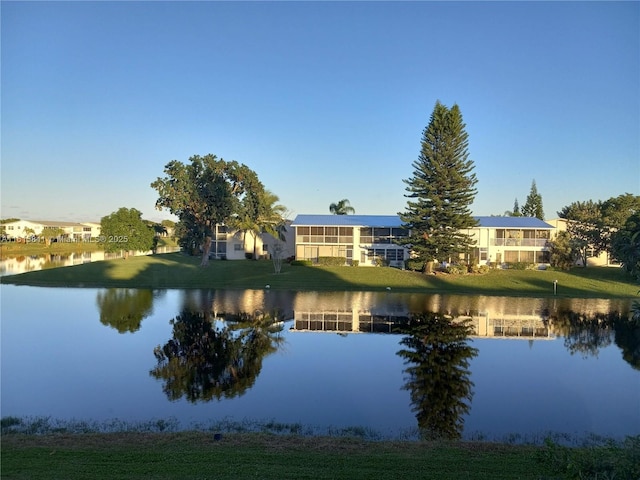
528, 327
28, 263
368, 238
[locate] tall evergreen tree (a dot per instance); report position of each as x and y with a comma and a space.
441, 189
533, 205
516, 209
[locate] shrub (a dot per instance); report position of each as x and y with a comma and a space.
301, 263
414, 264
332, 261
456, 269
355, 263
521, 266
381, 262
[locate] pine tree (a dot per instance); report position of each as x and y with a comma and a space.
441, 190
516, 209
533, 205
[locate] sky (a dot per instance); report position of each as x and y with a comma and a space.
323, 100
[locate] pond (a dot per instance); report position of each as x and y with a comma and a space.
396, 365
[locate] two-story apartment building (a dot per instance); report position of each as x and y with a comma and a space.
511, 239
75, 231
354, 237
368, 237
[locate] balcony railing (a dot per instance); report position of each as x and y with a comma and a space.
519, 242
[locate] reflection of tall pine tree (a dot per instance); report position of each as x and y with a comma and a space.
124, 308
438, 376
202, 362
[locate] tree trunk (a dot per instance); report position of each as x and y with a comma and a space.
255, 256
205, 251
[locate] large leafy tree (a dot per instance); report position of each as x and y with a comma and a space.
617, 210
585, 225
441, 189
125, 230
592, 225
562, 251
625, 245
533, 205
343, 207
203, 193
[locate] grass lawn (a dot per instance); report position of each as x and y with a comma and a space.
199, 455
240, 456
176, 270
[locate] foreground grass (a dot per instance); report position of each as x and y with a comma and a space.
176, 270
200, 455
180, 271
238, 456
44, 448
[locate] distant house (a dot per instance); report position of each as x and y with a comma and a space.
73, 231
368, 237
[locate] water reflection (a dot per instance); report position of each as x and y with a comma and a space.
438, 378
211, 358
15, 264
586, 333
124, 308
219, 362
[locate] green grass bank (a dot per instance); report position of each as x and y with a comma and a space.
176, 270
135, 455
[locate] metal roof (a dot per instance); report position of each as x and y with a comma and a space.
394, 221
349, 220
512, 222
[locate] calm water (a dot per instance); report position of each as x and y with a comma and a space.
394, 363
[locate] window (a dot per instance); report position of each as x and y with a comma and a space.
366, 235
483, 254
238, 247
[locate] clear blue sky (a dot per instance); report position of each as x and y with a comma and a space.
324, 100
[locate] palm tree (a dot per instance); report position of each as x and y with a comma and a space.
268, 217
341, 208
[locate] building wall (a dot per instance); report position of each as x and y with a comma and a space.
524, 245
